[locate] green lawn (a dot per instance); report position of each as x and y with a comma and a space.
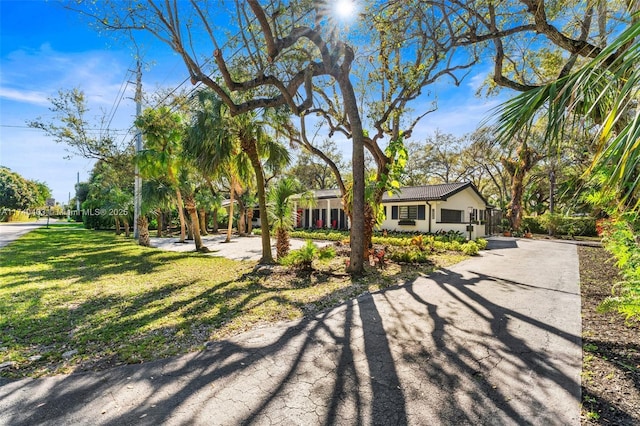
77, 299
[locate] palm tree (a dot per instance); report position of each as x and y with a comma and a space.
189, 185
214, 150
157, 197
216, 142
281, 213
603, 92
164, 132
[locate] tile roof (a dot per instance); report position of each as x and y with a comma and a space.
426, 192
410, 193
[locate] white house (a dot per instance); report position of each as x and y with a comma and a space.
427, 209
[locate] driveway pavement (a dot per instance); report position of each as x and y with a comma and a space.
494, 340
239, 248
12, 231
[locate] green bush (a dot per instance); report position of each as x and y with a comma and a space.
470, 248
450, 236
453, 245
15, 216
482, 243
560, 225
319, 234
619, 239
305, 256
94, 216
533, 224
408, 254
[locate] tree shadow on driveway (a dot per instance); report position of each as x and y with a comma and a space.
456, 347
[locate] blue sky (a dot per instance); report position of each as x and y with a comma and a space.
45, 48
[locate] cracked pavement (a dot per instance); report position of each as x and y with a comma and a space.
493, 340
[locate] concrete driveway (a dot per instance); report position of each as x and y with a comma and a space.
239, 248
12, 231
494, 340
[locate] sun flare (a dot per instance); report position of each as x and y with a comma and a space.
345, 8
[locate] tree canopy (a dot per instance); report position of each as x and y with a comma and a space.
18, 193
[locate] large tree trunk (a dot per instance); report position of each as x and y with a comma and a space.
369, 224
250, 148
514, 210
249, 220
357, 236
242, 222
189, 227
202, 215
282, 243
190, 205
214, 219
143, 231
160, 223
127, 230
518, 168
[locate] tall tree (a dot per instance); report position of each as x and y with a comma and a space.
164, 131
189, 183
281, 49
407, 53
16, 192
297, 55
518, 166
222, 143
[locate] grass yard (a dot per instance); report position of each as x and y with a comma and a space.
72, 299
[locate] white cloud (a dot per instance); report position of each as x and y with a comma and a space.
45, 71
25, 96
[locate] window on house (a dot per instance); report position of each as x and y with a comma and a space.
408, 212
418, 212
451, 216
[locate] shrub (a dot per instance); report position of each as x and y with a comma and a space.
619, 239
15, 216
320, 234
305, 256
482, 243
453, 245
470, 248
408, 254
533, 224
450, 236
563, 225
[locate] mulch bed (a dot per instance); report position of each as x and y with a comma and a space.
611, 348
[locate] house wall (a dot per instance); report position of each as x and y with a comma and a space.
327, 213
332, 208
459, 202
391, 224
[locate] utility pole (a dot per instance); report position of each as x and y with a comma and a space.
137, 202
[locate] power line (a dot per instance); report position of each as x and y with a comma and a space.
119, 96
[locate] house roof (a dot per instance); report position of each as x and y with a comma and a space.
323, 194
440, 192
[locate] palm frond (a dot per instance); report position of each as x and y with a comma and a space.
604, 91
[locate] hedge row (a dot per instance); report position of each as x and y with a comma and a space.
560, 225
